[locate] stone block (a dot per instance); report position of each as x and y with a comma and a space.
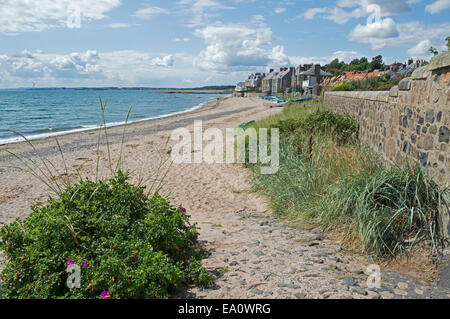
393, 92
444, 134
421, 73
440, 61
404, 84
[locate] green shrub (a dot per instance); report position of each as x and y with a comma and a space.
342, 128
345, 86
127, 244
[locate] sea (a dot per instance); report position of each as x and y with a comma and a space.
38, 113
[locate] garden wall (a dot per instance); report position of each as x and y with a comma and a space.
411, 121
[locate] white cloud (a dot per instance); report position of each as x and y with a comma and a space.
409, 33
182, 39
337, 15
23, 16
346, 56
346, 10
237, 46
118, 25
166, 61
200, 12
147, 13
420, 50
279, 10
372, 32
127, 67
437, 6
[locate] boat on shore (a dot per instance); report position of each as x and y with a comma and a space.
275, 101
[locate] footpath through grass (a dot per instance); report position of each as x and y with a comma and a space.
328, 178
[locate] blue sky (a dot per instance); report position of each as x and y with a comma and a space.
188, 43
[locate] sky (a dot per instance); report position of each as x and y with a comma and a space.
192, 43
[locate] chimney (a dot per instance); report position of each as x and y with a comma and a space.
316, 68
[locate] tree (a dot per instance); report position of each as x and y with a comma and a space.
433, 50
377, 63
334, 64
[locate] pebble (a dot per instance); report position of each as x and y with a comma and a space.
312, 244
284, 285
357, 272
336, 248
418, 291
258, 253
350, 281
400, 292
257, 291
322, 291
402, 285
234, 263
359, 290
300, 295
292, 271
311, 275
386, 295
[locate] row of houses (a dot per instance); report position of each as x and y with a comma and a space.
308, 79
304, 79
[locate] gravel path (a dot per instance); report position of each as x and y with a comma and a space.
265, 258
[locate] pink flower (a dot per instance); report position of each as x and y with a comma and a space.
296, 132
105, 294
70, 262
183, 209
126, 186
84, 264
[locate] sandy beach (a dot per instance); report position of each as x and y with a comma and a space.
257, 255
145, 145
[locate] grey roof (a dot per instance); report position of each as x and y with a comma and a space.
271, 75
283, 73
310, 71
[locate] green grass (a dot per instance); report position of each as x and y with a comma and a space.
328, 178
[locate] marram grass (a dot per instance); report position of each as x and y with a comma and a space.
339, 184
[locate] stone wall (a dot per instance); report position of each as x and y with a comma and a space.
411, 121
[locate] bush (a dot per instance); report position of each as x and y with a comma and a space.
345, 86
342, 128
127, 244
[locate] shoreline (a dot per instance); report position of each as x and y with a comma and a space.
37, 137
145, 145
